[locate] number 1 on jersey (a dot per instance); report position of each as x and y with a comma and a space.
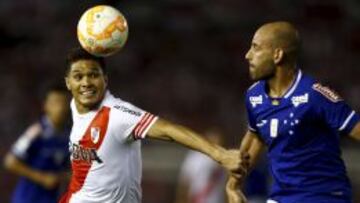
274, 124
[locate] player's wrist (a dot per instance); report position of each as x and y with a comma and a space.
218, 154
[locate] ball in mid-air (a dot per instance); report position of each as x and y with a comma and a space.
102, 30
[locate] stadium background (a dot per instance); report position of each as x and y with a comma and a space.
184, 61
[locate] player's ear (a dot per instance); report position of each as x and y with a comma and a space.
67, 83
278, 55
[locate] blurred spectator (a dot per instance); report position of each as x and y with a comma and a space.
202, 180
40, 155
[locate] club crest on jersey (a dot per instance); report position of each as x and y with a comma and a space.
95, 134
256, 100
327, 92
302, 99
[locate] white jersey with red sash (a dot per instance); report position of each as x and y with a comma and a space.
106, 159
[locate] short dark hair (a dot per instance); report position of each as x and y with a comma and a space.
79, 53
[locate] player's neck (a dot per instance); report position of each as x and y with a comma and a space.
56, 123
281, 82
81, 109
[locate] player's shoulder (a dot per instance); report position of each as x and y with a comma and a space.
121, 107
33, 131
323, 92
255, 94
319, 92
255, 88
26, 139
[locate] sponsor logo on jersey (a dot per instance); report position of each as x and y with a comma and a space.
84, 154
127, 110
95, 134
302, 99
327, 92
256, 100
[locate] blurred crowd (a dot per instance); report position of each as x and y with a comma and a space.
184, 61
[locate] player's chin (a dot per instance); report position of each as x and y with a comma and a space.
253, 75
90, 102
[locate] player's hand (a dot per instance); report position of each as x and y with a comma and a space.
233, 192
49, 180
233, 161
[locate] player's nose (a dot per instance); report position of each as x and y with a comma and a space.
86, 81
248, 55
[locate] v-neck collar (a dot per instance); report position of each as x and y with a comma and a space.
289, 91
91, 113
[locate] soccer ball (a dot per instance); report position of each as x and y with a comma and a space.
102, 30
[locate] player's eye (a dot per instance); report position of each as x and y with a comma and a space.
77, 77
255, 47
94, 75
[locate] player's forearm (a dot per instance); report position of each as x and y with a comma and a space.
355, 133
255, 152
165, 130
233, 192
16, 166
253, 147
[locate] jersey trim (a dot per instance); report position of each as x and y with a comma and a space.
252, 129
144, 125
346, 122
253, 85
292, 89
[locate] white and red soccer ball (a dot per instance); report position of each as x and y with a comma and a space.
102, 30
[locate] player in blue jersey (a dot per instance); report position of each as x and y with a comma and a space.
40, 155
299, 120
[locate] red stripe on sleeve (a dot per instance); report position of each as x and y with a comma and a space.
146, 125
139, 125
143, 125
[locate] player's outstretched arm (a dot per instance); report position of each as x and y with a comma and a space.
165, 130
355, 133
47, 180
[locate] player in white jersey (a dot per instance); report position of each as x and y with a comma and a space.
105, 156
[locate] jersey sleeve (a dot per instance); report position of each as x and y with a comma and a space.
143, 125
250, 116
336, 113
21, 147
135, 122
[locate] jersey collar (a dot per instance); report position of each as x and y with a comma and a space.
76, 113
290, 90
294, 85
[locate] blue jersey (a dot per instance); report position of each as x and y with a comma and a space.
41, 148
302, 131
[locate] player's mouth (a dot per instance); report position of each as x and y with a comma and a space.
251, 67
88, 93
